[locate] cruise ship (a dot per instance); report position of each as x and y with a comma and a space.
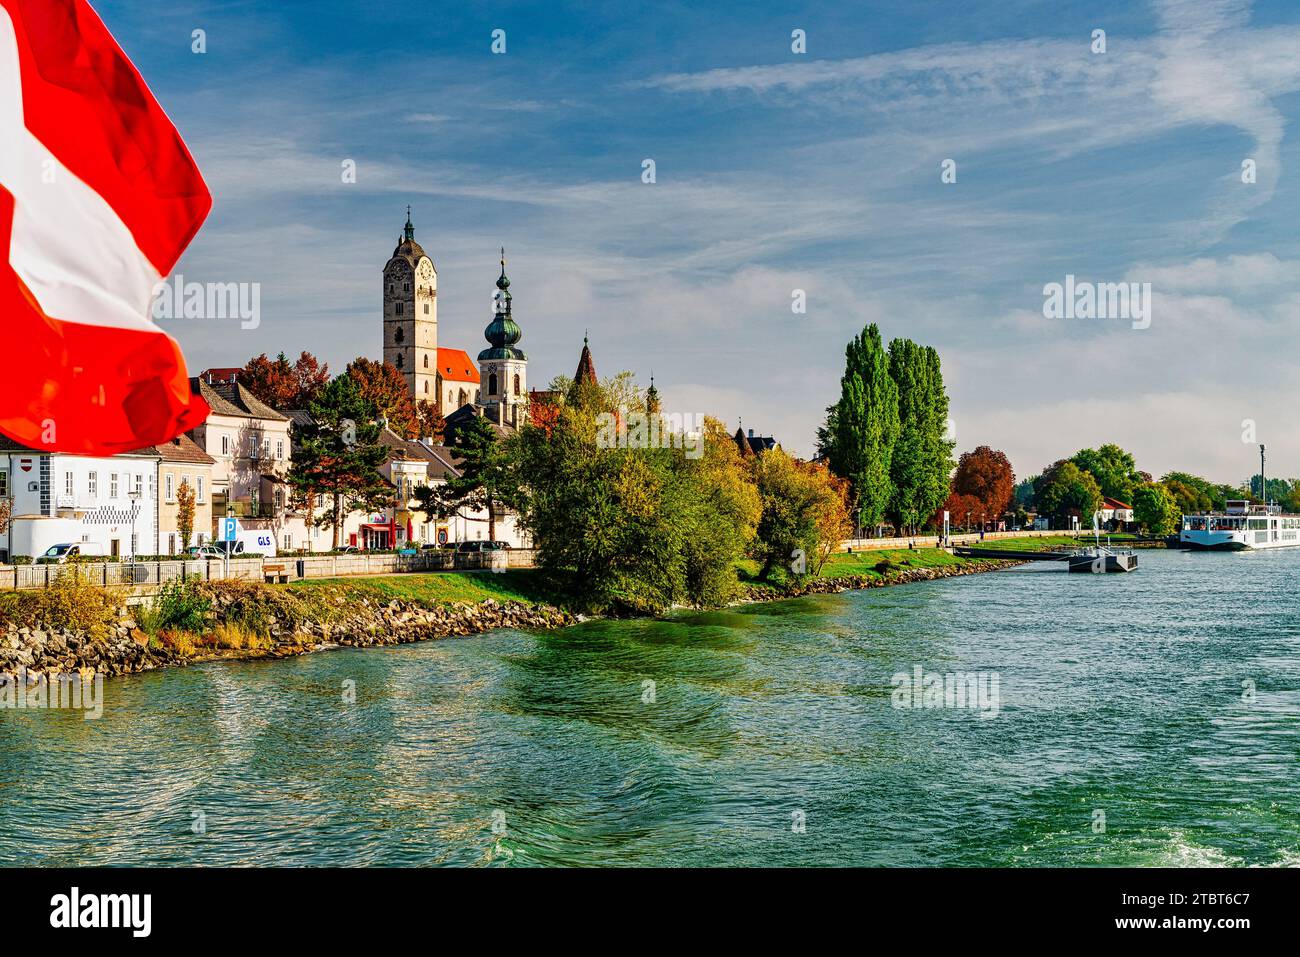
1240, 526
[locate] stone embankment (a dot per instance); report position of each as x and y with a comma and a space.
892, 576
126, 649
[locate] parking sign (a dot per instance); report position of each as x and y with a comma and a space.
229, 529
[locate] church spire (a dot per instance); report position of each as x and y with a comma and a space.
652, 397
409, 231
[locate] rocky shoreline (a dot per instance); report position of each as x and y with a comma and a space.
367, 623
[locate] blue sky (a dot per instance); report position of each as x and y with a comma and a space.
775, 171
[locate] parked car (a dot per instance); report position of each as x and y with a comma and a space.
347, 550
481, 546
204, 551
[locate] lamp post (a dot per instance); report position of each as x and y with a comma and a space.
134, 496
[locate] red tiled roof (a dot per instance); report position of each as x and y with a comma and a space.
455, 364
220, 374
1115, 503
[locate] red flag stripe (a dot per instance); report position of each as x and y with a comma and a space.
80, 251
87, 104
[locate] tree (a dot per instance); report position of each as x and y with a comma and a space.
1065, 489
185, 513
984, 476
1279, 489
1195, 494
311, 376
1155, 509
487, 479
284, 386
384, 386
633, 530
862, 427
1114, 469
1025, 492
271, 380
804, 514
921, 458
6, 513
429, 423
339, 455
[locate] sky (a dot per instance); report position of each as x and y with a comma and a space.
775, 171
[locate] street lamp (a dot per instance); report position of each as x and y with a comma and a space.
135, 497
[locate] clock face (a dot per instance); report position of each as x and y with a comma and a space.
426, 269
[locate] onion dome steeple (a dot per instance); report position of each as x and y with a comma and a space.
652, 397
502, 332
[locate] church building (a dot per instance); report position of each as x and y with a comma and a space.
497, 388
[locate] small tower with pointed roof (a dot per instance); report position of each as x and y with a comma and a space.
652, 397
503, 368
411, 315
586, 374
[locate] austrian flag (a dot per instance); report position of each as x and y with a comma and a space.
98, 199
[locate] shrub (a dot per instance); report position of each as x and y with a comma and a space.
179, 642
179, 605
73, 602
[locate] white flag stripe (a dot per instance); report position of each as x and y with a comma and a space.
69, 246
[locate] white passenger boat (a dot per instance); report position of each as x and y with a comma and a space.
1241, 526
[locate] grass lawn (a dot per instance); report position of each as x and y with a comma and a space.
442, 587
863, 563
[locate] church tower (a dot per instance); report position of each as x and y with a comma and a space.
503, 369
411, 315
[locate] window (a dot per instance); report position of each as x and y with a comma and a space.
4, 483
406, 287
398, 361
426, 308
92, 483
401, 308
199, 497
426, 387
169, 484
279, 448
399, 336
171, 543
67, 483
288, 542
426, 360
492, 384
138, 485
516, 383
112, 485
462, 397
225, 445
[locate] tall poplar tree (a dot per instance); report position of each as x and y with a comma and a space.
922, 457
862, 427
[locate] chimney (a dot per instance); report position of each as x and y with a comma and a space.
751, 433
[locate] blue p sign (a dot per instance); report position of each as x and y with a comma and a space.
228, 527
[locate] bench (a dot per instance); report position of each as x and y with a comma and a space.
272, 573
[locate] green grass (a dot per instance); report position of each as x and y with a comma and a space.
443, 587
876, 563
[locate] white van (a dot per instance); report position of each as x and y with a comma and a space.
253, 542
69, 550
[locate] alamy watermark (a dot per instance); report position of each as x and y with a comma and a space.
973, 690
178, 299
651, 430
1106, 300
36, 691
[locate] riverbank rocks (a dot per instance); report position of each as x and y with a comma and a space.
128, 650
895, 576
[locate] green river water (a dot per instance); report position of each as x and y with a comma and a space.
1144, 719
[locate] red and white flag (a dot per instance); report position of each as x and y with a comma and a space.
98, 199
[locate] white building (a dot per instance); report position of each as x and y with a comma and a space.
111, 501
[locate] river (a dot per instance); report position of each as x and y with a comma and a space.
1144, 719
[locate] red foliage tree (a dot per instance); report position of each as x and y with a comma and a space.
312, 376
271, 380
985, 476
429, 421
385, 386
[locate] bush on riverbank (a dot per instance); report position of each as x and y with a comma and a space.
71, 601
